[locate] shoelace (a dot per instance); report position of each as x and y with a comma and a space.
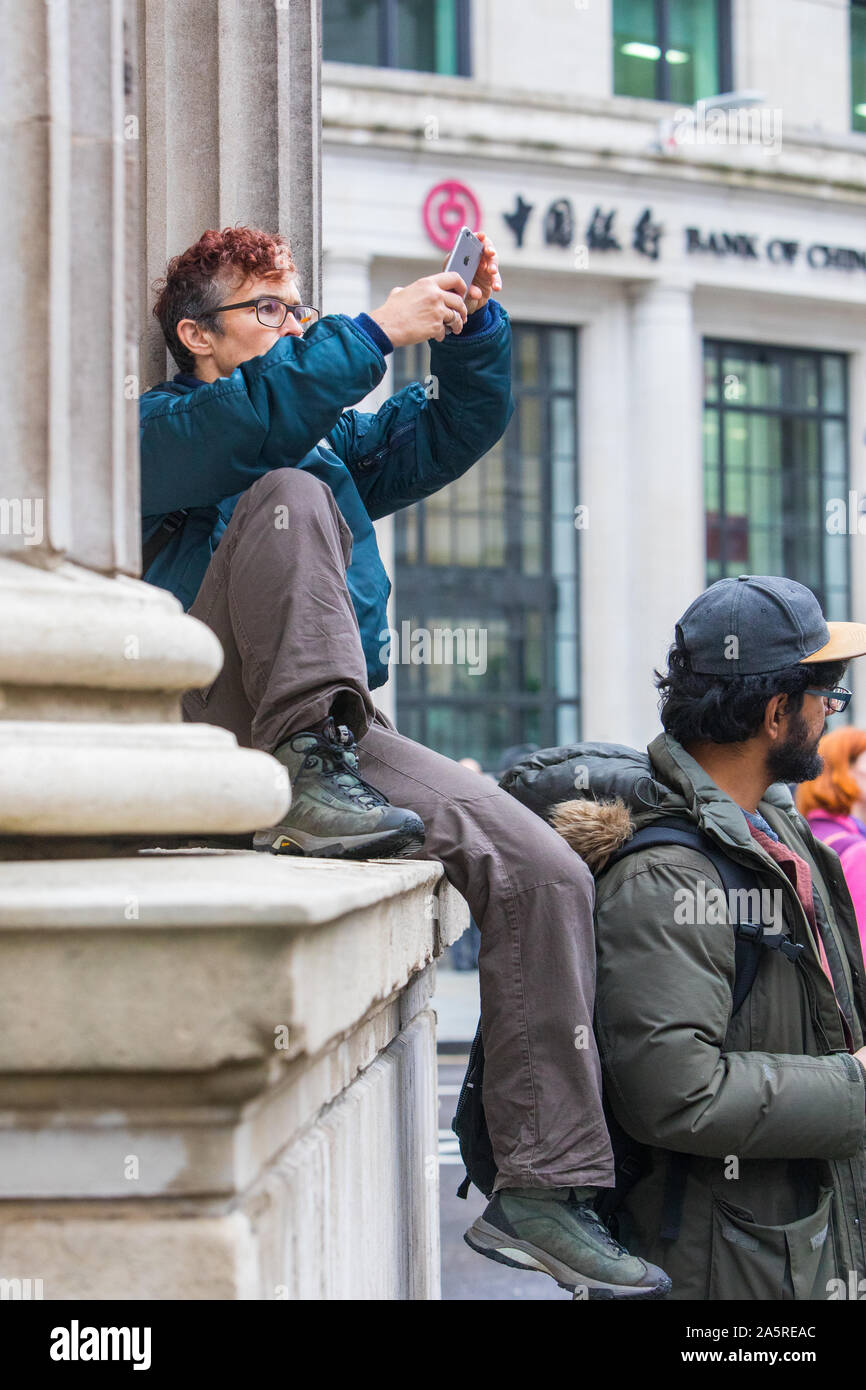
335, 745
603, 1231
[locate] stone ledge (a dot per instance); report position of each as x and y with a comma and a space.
200, 888
183, 963
366, 108
278, 983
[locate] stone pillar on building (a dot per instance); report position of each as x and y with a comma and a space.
92, 662
232, 117
666, 491
606, 588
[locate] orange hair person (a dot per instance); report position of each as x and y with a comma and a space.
834, 804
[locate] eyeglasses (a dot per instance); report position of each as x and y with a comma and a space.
835, 700
272, 312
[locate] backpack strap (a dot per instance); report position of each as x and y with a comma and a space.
749, 937
470, 1125
161, 537
735, 878
674, 1194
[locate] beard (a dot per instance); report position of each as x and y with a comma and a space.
797, 759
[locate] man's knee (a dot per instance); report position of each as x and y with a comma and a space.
292, 501
287, 487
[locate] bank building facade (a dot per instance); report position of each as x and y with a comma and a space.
676, 193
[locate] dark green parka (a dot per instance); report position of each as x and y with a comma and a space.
769, 1103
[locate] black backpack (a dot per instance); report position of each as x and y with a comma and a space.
631, 1159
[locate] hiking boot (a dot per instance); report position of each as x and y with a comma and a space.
334, 813
556, 1230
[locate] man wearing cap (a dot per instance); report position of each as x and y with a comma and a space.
753, 1181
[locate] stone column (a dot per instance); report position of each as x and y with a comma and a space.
232, 119
666, 497
92, 662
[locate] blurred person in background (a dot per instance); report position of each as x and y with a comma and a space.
834, 804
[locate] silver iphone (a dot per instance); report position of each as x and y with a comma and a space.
465, 257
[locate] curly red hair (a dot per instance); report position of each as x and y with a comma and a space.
835, 790
196, 280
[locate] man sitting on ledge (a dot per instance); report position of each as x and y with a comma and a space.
261, 489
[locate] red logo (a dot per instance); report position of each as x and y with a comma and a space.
446, 208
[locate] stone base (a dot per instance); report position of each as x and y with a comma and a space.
347, 1210
91, 741
228, 1092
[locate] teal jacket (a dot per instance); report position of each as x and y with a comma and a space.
204, 444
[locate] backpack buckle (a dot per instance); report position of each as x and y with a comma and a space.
792, 949
631, 1166
752, 931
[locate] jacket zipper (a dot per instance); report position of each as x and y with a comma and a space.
813, 1008
367, 463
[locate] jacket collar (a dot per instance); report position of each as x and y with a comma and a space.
179, 385
712, 808
187, 380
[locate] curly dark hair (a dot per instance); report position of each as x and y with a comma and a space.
196, 280
696, 708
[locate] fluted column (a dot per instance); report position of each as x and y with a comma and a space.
64, 351
232, 117
92, 661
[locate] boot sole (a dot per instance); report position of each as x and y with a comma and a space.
520, 1254
396, 844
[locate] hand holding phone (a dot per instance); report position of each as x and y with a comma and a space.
423, 310
465, 258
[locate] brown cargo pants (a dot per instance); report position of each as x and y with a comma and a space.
276, 598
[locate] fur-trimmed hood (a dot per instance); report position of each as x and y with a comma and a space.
594, 829
596, 795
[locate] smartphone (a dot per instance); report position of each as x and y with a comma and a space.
465, 256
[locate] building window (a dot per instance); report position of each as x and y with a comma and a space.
776, 467
423, 35
495, 552
672, 50
858, 64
